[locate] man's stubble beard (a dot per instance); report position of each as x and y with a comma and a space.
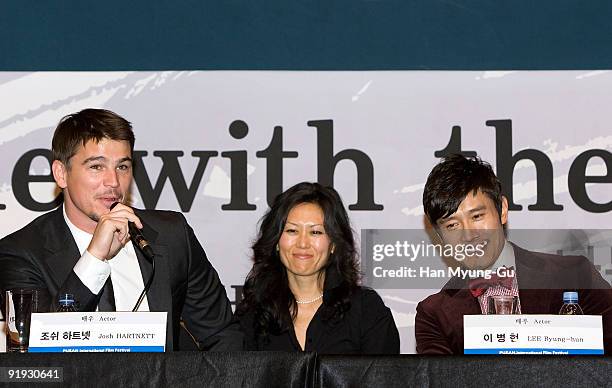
94, 217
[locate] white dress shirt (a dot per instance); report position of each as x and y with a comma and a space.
123, 269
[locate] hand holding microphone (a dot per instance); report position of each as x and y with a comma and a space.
137, 238
113, 231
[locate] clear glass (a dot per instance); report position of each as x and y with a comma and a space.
20, 304
502, 304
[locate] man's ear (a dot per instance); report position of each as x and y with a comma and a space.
504, 211
59, 173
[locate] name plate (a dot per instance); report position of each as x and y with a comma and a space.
98, 332
532, 334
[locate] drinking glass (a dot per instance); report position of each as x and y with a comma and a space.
502, 304
20, 304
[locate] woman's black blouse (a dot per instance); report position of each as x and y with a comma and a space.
366, 328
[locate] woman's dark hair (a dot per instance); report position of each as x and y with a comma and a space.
266, 290
452, 179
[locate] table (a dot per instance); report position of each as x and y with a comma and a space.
270, 369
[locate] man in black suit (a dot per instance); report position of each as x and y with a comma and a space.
463, 202
83, 247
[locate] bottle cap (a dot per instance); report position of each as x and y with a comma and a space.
66, 298
570, 296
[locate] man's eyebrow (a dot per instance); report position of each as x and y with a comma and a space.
477, 209
471, 211
102, 159
444, 219
94, 159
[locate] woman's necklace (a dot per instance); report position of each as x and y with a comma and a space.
309, 301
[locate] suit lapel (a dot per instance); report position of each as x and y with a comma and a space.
63, 251
466, 303
460, 302
159, 295
461, 299
534, 283
64, 254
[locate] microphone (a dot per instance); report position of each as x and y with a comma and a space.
139, 240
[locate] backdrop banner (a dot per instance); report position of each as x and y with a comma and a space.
219, 145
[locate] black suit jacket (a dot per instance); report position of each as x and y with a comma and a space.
43, 254
542, 278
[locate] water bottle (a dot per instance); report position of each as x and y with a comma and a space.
570, 304
66, 304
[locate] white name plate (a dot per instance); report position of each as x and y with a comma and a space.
532, 334
98, 332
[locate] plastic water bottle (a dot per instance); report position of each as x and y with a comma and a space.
570, 304
66, 304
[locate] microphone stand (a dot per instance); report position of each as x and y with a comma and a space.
147, 286
142, 244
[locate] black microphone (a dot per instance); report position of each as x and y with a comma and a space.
137, 238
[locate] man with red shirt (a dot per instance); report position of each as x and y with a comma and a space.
464, 203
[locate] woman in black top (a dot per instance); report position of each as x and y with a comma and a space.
303, 291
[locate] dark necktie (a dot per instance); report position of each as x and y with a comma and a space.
107, 299
479, 286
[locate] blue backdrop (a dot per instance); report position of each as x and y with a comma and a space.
309, 35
